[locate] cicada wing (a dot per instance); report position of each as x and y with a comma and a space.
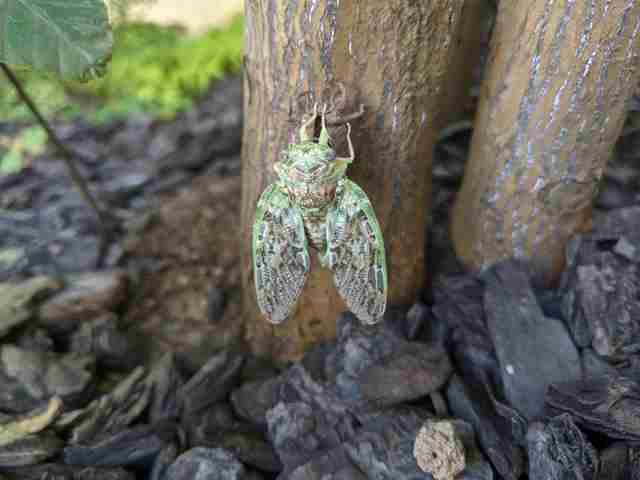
355, 254
280, 255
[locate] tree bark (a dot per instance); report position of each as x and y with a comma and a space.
553, 103
464, 60
391, 56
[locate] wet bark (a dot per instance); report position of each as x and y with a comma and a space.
391, 56
558, 81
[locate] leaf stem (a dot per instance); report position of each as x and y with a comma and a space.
67, 155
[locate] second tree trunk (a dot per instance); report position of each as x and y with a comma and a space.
552, 105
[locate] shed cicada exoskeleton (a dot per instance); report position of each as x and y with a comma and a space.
314, 204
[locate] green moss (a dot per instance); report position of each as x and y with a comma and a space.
158, 70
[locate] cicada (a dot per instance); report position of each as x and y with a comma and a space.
314, 205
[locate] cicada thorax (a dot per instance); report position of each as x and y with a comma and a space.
315, 228
315, 224
314, 200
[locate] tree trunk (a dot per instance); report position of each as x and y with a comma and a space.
553, 103
391, 56
464, 61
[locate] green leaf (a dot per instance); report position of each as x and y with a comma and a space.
69, 38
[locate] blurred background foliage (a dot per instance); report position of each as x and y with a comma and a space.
157, 69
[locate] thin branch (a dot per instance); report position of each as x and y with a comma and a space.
67, 155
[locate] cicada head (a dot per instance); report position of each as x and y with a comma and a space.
310, 170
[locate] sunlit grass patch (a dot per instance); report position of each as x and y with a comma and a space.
155, 69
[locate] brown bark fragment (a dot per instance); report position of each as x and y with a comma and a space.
392, 57
552, 105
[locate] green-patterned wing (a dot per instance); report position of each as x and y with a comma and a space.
280, 256
355, 254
